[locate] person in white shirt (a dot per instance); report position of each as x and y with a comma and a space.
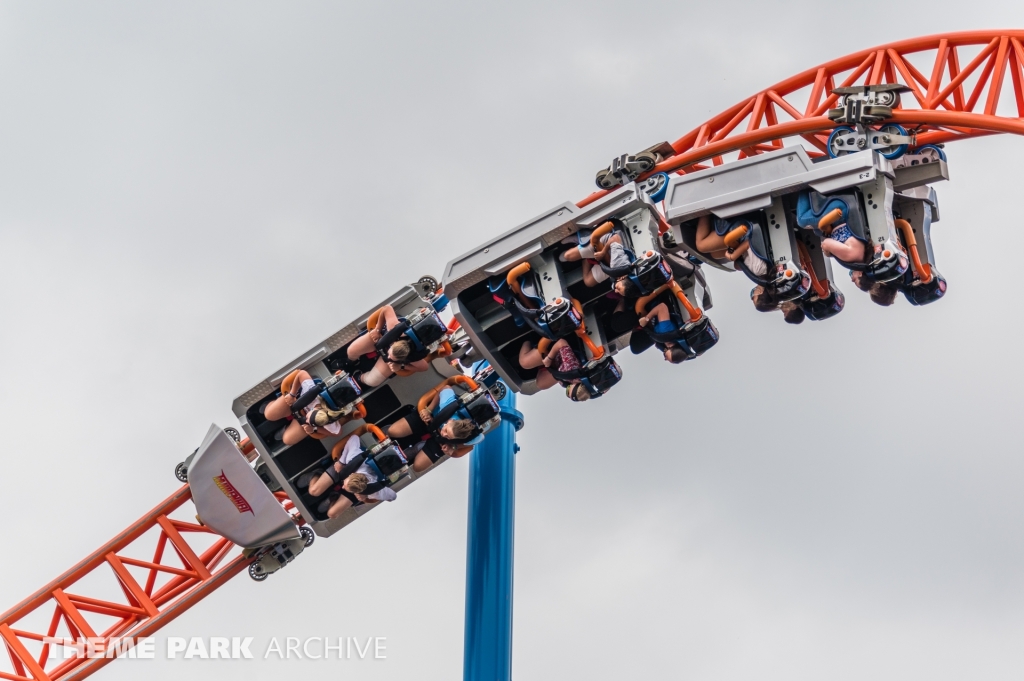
292, 388
359, 483
612, 253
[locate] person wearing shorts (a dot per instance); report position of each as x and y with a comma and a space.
292, 388
426, 441
664, 326
843, 245
353, 481
385, 341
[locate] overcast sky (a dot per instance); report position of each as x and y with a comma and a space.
191, 195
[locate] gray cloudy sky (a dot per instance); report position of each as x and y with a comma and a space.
193, 193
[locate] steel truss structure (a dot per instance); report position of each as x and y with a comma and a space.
950, 101
177, 575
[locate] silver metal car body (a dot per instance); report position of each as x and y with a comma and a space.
230, 497
281, 466
758, 184
538, 242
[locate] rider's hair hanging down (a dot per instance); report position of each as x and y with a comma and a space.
400, 350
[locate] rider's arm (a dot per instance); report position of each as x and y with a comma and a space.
418, 365
737, 253
351, 467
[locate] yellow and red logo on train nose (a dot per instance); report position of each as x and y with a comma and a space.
225, 486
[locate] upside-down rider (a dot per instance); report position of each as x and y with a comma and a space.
679, 329
713, 240
611, 252
563, 363
353, 481
316, 420
386, 340
441, 428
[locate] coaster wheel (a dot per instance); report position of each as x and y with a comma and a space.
181, 472
655, 186
498, 391
604, 179
930, 153
256, 571
646, 161
895, 151
308, 537
837, 143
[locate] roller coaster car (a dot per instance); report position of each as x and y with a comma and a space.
514, 288
766, 189
627, 167
281, 466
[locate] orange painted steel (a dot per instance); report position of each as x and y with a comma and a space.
513, 281
734, 237
825, 223
673, 286
145, 607
922, 270
946, 102
596, 351
467, 383
820, 288
595, 236
695, 314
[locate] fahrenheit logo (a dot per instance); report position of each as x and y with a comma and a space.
225, 486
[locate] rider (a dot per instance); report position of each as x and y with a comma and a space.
359, 483
765, 301
843, 245
316, 421
561, 358
663, 332
710, 242
881, 293
386, 341
429, 438
612, 253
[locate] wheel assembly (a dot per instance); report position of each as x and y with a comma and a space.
893, 151
841, 142
256, 571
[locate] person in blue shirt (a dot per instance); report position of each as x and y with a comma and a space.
438, 429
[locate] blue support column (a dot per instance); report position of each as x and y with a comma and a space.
489, 551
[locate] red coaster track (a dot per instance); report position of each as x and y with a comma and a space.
941, 107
